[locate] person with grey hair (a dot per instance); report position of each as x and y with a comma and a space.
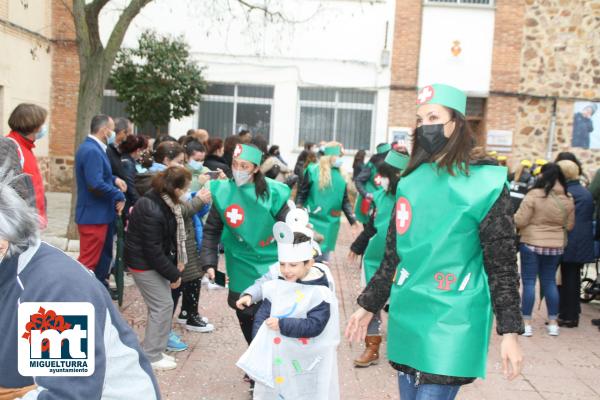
99, 198
24, 278
123, 128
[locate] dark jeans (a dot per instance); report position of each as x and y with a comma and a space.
532, 265
245, 317
191, 296
569, 291
410, 391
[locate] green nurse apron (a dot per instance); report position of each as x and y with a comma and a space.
384, 204
248, 228
371, 186
440, 309
325, 206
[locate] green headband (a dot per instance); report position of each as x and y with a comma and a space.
382, 148
397, 160
333, 151
444, 95
248, 153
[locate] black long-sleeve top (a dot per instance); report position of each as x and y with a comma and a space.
209, 255
497, 237
304, 191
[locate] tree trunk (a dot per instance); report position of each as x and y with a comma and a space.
91, 91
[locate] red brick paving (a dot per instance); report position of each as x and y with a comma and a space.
564, 367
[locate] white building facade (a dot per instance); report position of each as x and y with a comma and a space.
319, 70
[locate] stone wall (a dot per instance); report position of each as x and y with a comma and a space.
560, 58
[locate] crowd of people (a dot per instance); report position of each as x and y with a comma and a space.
440, 269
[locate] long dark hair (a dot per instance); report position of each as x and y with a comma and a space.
551, 173
359, 158
392, 173
457, 151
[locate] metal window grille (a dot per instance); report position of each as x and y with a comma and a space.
225, 109
113, 107
344, 115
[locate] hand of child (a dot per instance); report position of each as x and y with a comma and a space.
244, 301
273, 323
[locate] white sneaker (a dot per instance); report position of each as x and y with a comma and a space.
168, 357
128, 280
164, 364
214, 286
528, 331
553, 330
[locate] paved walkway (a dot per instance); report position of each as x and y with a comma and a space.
565, 367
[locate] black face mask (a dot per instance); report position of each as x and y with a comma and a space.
431, 138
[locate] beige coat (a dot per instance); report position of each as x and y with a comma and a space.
540, 220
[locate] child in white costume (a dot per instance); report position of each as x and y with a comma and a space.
296, 330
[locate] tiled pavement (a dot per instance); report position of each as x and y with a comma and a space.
565, 367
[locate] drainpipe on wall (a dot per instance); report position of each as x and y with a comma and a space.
552, 132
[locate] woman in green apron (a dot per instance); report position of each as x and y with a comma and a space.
371, 243
367, 182
324, 195
449, 259
242, 216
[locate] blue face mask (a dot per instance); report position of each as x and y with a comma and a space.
196, 165
338, 163
111, 138
42, 133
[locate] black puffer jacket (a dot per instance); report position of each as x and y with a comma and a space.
150, 243
214, 162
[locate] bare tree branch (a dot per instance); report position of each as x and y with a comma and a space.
118, 33
273, 15
81, 30
95, 6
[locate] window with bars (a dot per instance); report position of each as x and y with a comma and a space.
344, 115
113, 107
489, 3
225, 109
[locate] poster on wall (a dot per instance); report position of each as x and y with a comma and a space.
500, 141
400, 135
586, 125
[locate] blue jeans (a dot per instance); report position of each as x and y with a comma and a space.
410, 391
532, 265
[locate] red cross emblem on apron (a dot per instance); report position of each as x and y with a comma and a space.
403, 215
238, 150
425, 95
234, 215
377, 180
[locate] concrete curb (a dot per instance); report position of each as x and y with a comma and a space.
66, 245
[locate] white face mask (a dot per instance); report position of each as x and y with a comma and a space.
241, 177
385, 183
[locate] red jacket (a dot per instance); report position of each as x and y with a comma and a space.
30, 167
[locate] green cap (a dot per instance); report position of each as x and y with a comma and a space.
248, 153
444, 95
397, 160
332, 151
383, 147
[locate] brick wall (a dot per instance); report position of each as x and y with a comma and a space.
405, 62
502, 110
65, 87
